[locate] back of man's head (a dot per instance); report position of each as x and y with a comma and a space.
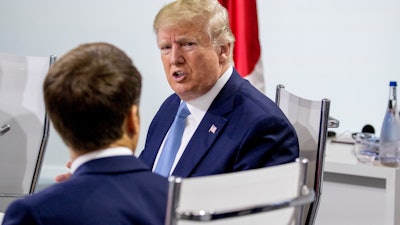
89, 92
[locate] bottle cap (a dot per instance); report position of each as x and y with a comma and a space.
393, 83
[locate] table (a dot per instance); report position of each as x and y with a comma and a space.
363, 193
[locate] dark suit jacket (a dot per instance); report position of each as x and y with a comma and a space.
250, 132
117, 190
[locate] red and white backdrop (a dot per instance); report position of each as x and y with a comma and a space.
247, 51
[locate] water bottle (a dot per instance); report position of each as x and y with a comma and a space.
389, 143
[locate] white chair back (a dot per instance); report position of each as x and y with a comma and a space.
275, 194
1, 217
24, 124
310, 119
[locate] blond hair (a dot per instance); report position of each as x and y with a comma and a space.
209, 12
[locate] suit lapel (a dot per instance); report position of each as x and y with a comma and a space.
210, 128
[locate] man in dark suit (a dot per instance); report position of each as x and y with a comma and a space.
92, 97
232, 126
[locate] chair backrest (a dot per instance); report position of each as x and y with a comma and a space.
275, 194
310, 119
24, 124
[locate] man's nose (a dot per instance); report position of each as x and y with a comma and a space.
176, 56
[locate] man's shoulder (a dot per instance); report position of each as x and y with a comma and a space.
45, 198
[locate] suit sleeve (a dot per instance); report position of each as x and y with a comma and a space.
268, 142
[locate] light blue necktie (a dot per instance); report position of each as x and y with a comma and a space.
173, 141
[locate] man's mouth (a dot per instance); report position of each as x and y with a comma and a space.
178, 75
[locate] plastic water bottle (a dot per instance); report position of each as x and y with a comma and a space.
389, 143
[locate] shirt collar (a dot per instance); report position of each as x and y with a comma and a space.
108, 152
201, 104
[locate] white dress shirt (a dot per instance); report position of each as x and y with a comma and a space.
198, 108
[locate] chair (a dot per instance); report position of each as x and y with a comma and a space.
311, 121
275, 194
24, 124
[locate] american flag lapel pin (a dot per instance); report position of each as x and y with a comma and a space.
212, 129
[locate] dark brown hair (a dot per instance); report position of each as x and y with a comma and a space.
89, 92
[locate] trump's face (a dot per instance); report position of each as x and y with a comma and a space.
192, 64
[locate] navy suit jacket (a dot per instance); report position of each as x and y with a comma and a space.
242, 129
117, 190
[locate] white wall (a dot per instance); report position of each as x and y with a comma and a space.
345, 50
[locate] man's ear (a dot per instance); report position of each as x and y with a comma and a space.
224, 52
133, 122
